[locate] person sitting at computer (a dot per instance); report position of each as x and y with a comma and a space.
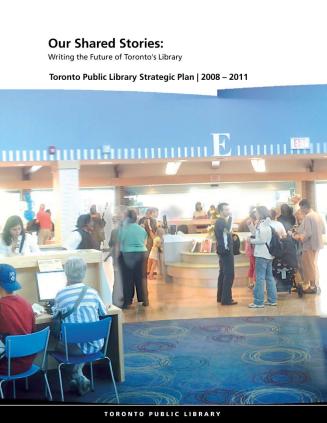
81, 238
89, 309
16, 318
15, 241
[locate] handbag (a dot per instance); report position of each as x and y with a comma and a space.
59, 317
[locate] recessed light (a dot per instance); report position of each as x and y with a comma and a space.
172, 168
259, 165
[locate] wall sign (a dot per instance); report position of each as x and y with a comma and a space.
300, 143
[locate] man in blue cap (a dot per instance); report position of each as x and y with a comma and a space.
16, 316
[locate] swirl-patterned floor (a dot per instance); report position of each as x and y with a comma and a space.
249, 360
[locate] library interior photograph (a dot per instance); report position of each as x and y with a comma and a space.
164, 249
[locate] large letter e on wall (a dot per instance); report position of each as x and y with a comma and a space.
221, 145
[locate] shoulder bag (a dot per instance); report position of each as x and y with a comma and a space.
57, 320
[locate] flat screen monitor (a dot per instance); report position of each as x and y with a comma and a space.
49, 284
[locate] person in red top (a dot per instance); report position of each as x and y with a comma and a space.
44, 220
16, 318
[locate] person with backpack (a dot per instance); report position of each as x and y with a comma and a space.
266, 243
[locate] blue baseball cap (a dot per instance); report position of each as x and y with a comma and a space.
8, 278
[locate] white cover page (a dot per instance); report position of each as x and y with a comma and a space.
113, 82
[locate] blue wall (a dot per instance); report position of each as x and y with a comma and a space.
36, 119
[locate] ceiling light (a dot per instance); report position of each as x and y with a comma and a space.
34, 169
215, 163
259, 165
172, 168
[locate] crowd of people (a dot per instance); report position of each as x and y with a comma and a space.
304, 229
136, 246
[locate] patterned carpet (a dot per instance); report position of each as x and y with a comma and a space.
249, 360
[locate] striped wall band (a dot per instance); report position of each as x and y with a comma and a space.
138, 153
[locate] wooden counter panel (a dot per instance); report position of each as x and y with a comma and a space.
19, 262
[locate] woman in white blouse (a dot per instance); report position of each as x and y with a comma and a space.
15, 241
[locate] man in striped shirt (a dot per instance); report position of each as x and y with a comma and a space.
89, 310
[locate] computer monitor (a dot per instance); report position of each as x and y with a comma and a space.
49, 284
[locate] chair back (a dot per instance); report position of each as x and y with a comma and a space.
24, 345
77, 333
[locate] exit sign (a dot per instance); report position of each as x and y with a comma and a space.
300, 143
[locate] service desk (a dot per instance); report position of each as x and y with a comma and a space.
193, 225
27, 267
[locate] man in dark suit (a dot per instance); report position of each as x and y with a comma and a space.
224, 238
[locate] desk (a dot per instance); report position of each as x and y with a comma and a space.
115, 345
27, 266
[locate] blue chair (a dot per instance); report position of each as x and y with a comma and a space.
78, 333
21, 346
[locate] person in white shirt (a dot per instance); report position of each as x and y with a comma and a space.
295, 202
263, 261
279, 227
81, 238
15, 241
199, 213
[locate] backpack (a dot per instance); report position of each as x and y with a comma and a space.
236, 244
275, 247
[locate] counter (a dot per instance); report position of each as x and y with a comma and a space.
185, 266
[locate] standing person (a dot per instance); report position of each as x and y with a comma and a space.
160, 233
295, 202
212, 212
16, 317
107, 217
199, 213
81, 238
278, 226
44, 220
286, 217
15, 241
296, 234
150, 225
153, 262
249, 248
243, 225
312, 230
224, 238
117, 290
52, 224
98, 226
89, 309
263, 261
132, 238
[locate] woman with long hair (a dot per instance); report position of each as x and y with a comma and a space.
15, 241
